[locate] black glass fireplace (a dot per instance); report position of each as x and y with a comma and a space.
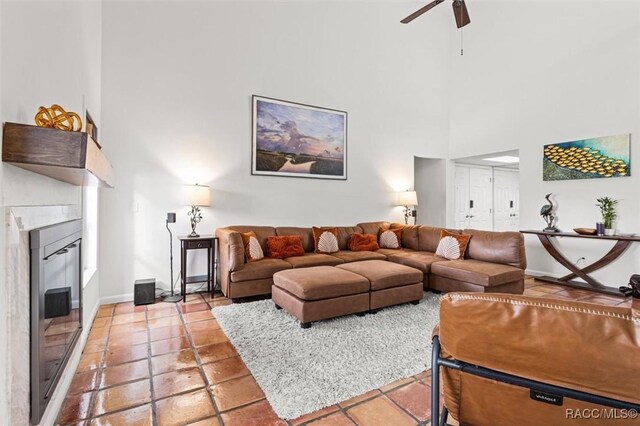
56, 306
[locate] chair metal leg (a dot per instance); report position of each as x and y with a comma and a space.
435, 382
443, 418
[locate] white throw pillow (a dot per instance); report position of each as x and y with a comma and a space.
252, 249
390, 239
448, 248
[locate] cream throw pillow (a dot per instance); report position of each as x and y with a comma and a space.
326, 240
390, 239
252, 249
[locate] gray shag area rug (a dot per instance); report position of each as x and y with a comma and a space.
301, 371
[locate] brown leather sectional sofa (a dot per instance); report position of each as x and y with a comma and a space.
494, 262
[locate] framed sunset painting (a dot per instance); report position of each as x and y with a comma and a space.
298, 140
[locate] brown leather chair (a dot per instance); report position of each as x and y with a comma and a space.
517, 360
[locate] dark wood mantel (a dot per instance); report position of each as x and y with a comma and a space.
72, 157
622, 242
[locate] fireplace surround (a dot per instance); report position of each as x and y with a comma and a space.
56, 306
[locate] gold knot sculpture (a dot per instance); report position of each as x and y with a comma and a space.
55, 117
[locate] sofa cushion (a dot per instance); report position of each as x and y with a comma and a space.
262, 232
416, 259
259, 269
363, 242
409, 235
344, 232
373, 227
305, 233
429, 237
497, 247
284, 246
389, 252
357, 256
313, 259
382, 274
477, 272
321, 282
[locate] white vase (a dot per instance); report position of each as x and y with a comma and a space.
609, 232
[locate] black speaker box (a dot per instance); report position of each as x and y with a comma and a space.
57, 302
144, 291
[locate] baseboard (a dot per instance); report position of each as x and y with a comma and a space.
57, 399
118, 298
535, 273
128, 297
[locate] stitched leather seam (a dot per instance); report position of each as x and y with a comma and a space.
542, 305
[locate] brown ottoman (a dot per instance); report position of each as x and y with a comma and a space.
391, 283
320, 292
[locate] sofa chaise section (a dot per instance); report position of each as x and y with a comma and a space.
495, 263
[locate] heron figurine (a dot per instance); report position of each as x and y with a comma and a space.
549, 217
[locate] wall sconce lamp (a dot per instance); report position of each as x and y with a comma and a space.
196, 196
406, 199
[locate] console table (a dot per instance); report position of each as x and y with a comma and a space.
208, 242
621, 244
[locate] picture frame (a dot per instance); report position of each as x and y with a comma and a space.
292, 139
593, 158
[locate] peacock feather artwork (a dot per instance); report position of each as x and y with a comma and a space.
603, 157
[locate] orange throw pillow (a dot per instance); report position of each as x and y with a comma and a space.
284, 246
252, 249
390, 238
326, 240
363, 242
452, 246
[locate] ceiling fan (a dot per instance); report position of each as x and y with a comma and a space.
459, 11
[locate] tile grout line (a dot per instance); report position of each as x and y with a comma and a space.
101, 366
199, 364
152, 392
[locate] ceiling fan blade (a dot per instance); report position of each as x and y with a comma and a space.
461, 13
420, 11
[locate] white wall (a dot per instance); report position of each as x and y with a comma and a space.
535, 73
4, 384
177, 86
431, 187
45, 61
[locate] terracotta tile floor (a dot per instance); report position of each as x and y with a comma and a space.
170, 364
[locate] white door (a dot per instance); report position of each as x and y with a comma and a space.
506, 193
461, 215
480, 198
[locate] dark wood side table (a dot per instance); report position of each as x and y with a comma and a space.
208, 242
622, 242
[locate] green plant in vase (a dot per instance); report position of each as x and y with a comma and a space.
608, 210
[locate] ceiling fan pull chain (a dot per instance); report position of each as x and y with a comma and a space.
461, 42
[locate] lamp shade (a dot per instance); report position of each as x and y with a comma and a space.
197, 195
407, 198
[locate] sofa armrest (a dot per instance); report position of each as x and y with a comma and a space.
231, 249
436, 331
